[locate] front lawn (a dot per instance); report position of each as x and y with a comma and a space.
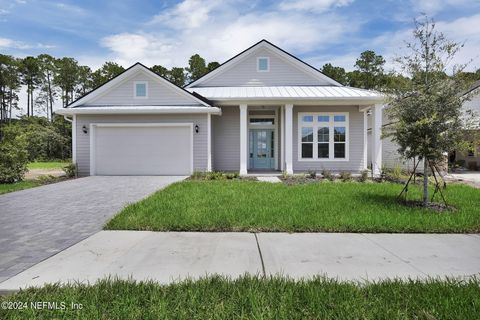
17, 186
325, 206
47, 165
252, 298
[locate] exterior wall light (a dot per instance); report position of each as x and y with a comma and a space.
196, 128
84, 129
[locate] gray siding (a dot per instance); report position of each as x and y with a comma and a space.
226, 139
355, 133
244, 73
199, 139
158, 93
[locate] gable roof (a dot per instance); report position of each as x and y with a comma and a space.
127, 73
265, 43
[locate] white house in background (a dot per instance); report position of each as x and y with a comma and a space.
263, 109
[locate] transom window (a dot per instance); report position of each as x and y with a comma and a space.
262, 121
140, 89
323, 136
263, 64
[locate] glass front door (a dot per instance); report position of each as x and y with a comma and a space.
261, 144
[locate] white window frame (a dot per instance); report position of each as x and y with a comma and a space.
135, 89
258, 64
316, 125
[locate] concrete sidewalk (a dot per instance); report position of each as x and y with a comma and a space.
170, 256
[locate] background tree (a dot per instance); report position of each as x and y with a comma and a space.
427, 116
84, 81
108, 71
9, 86
212, 66
369, 73
160, 70
48, 91
31, 77
196, 67
336, 73
66, 78
177, 76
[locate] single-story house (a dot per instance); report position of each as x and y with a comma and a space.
263, 109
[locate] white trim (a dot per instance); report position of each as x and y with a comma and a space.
376, 139
315, 125
263, 44
289, 138
135, 90
365, 139
74, 139
125, 75
243, 139
209, 142
258, 64
276, 142
138, 110
93, 126
282, 133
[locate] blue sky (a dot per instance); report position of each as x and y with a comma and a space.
169, 32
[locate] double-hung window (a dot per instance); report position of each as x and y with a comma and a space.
323, 136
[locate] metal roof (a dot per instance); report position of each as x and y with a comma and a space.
287, 92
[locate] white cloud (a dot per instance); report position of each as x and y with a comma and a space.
313, 5
13, 44
431, 7
224, 35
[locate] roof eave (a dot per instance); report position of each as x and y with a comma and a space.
126, 110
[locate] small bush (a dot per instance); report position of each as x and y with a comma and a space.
363, 176
214, 175
70, 170
232, 175
345, 176
327, 174
47, 179
198, 175
312, 174
13, 158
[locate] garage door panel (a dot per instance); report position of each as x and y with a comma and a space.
149, 150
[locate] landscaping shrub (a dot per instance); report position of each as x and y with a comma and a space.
13, 157
345, 176
70, 170
312, 174
363, 176
214, 175
327, 174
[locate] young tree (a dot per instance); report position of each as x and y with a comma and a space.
108, 71
336, 73
427, 117
31, 76
196, 67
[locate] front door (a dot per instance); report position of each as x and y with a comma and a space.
261, 144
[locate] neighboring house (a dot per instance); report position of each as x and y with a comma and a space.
471, 158
263, 109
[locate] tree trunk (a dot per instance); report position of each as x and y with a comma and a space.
28, 100
425, 181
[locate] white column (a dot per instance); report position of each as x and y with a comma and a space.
243, 139
209, 142
276, 144
377, 139
289, 138
365, 140
282, 134
74, 139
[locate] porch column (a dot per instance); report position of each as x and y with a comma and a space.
243, 139
376, 139
282, 135
289, 138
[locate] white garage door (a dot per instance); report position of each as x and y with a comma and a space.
142, 150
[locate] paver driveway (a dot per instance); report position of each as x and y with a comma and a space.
37, 223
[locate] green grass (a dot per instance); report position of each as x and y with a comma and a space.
255, 298
47, 165
17, 186
325, 206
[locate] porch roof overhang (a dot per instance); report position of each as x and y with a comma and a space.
308, 95
138, 110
